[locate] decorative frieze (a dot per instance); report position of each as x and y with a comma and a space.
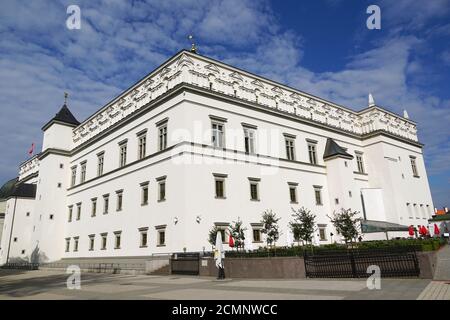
29, 167
202, 72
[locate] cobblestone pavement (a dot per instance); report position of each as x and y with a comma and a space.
51, 285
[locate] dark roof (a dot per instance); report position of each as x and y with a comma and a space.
332, 149
14, 189
65, 116
7, 189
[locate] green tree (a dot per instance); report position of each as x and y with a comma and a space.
347, 224
270, 227
237, 232
302, 226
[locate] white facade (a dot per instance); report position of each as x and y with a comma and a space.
195, 98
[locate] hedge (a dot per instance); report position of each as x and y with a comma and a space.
418, 244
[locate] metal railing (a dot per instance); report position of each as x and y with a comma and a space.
185, 263
21, 266
354, 263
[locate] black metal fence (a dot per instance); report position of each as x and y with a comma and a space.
354, 263
185, 263
21, 266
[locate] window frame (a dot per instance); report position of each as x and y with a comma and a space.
100, 163
144, 191
119, 200
78, 211
254, 182
93, 207
143, 231
91, 242
142, 144
293, 186
83, 169
359, 162
106, 203
161, 230
123, 151
76, 243
219, 177
73, 177
289, 144
312, 151
104, 241
415, 171
218, 140
117, 239
318, 191
249, 138
162, 191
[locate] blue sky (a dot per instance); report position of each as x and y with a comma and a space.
321, 47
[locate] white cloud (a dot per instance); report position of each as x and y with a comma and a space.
121, 41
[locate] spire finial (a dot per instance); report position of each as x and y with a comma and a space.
405, 114
193, 46
66, 95
371, 100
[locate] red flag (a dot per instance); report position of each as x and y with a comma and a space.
30, 152
411, 230
231, 241
436, 229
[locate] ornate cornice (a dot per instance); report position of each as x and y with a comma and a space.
206, 73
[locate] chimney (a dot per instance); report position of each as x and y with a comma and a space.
446, 209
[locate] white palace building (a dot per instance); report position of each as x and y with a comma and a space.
198, 143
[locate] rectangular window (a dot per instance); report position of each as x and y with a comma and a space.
161, 188
254, 188
94, 207
117, 239
161, 239
91, 242
249, 140
105, 203
217, 138
67, 244
144, 193
75, 244
414, 166
73, 176
78, 211
162, 137
318, 195
122, 154
100, 163
142, 145
83, 172
104, 239
144, 238
312, 152
290, 148
322, 233
359, 162
119, 204
70, 213
219, 185
293, 192
257, 235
